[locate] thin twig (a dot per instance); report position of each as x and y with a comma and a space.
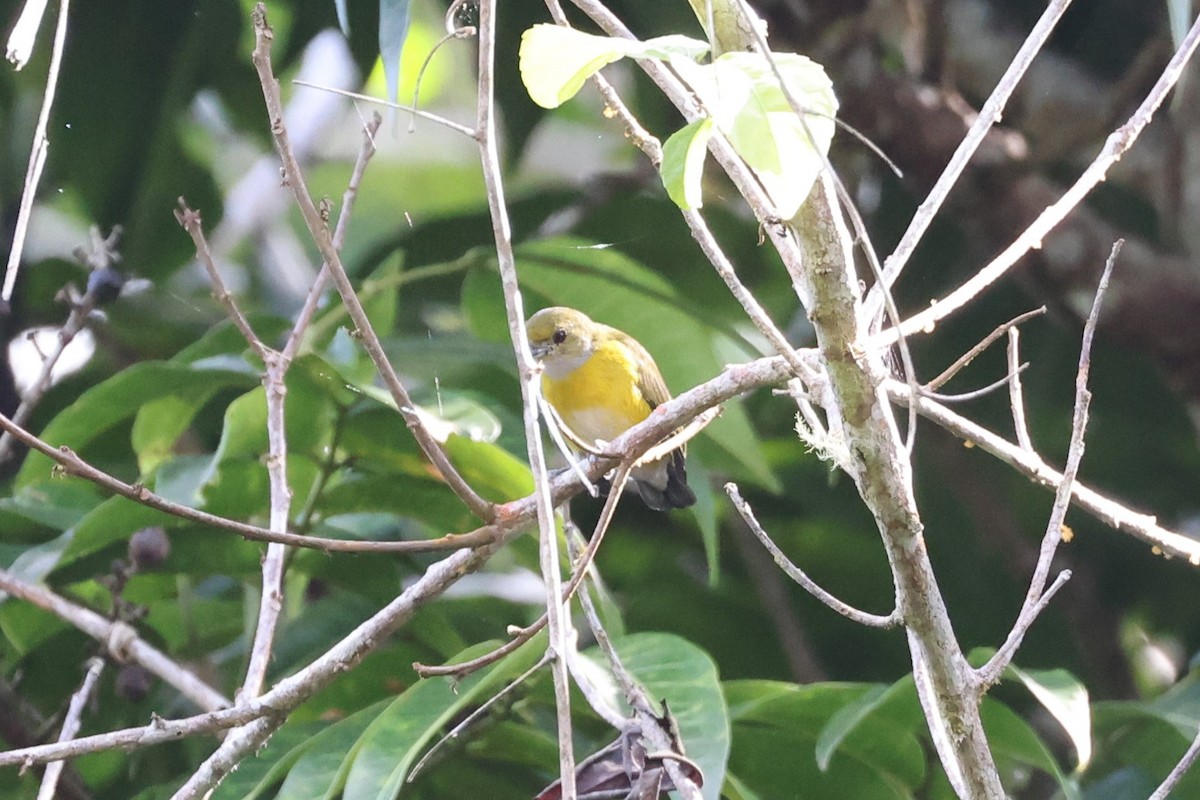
1029, 464
1117, 143
37, 156
975, 394
648, 719
189, 219
558, 620
989, 115
1016, 398
304, 318
454, 732
366, 98
592, 693
580, 569
70, 725
969, 356
990, 672
319, 231
270, 601
72, 464
119, 639
280, 495
1179, 770
103, 255
799, 576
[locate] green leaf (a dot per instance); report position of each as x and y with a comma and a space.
672, 668
785, 152
119, 398
54, 502
159, 424
394, 17
320, 773
393, 741
254, 776
744, 97
683, 163
877, 752
424, 499
556, 60
1066, 698
495, 473
846, 720
1011, 738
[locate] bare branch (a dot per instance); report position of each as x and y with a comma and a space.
365, 152
1178, 771
119, 639
37, 155
799, 576
70, 726
1115, 146
319, 231
273, 707
882, 472
1029, 464
990, 672
102, 256
969, 356
1016, 398
558, 621
189, 220
988, 116
72, 464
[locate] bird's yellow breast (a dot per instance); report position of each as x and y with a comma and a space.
601, 398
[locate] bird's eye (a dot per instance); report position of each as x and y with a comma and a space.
560, 336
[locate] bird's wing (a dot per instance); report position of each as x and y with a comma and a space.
650, 380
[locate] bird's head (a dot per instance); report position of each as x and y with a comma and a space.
561, 338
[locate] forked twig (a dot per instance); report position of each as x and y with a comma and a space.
523, 635
1117, 143
1035, 599
103, 255
454, 732
989, 115
984, 343
317, 228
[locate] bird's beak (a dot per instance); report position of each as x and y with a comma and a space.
540, 351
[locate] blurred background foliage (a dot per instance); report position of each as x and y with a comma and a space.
159, 100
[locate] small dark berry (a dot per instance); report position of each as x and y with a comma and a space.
104, 285
149, 548
134, 682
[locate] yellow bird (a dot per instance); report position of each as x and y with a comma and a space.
601, 382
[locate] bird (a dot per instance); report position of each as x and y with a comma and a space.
600, 382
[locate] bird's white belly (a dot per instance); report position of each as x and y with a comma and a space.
596, 424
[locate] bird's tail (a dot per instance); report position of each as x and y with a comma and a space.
676, 494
